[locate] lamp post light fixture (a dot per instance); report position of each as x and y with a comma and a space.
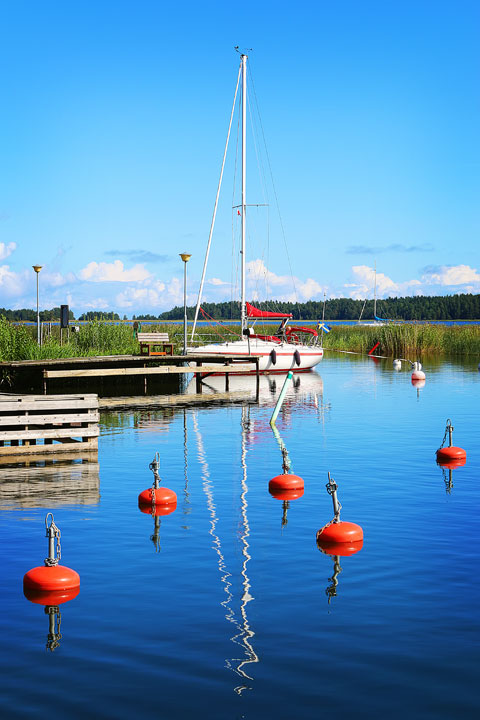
185, 257
37, 269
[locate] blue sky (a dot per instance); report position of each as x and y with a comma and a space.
113, 126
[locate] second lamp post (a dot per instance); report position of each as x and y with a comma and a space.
185, 257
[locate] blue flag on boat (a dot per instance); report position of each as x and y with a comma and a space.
325, 328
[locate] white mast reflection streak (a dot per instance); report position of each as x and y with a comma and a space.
244, 632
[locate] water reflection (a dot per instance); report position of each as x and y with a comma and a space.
51, 600
244, 633
448, 467
306, 386
54, 623
186, 503
331, 590
285, 495
337, 550
52, 482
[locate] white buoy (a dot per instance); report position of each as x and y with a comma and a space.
397, 364
417, 373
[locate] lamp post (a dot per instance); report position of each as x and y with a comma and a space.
37, 269
185, 257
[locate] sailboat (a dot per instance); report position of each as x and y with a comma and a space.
288, 347
376, 320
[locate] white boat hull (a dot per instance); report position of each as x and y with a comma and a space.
273, 357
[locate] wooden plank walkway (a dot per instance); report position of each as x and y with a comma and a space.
37, 374
33, 424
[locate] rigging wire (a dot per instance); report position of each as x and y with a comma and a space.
235, 265
215, 206
252, 83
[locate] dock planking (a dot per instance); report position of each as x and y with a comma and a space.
38, 374
41, 424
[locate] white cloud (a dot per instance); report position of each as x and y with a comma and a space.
113, 272
217, 282
263, 284
6, 250
12, 284
158, 296
98, 303
453, 275
364, 284
57, 279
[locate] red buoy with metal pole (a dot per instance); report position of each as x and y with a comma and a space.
51, 577
157, 495
338, 531
450, 454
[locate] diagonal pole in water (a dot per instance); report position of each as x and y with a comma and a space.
281, 398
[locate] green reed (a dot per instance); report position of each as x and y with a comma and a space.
18, 342
402, 340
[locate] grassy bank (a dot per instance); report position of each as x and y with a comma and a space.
98, 338
95, 338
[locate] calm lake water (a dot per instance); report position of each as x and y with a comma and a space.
226, 608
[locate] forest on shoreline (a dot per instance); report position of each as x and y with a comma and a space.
410, 309
421, 307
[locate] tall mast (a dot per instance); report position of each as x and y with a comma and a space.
244, 174
375, 294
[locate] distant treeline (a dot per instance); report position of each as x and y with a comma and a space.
54, 314
421, 307
31, 315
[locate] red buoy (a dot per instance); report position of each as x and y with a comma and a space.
286, 494
344, 549
50, 597
56, 577
418, 383
452, 453
286, 481
51, 576
340, 532
452, 464
162, 496
157, 510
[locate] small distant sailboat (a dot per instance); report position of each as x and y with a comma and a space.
287, 348
376, 320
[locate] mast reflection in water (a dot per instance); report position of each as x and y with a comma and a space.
244, 633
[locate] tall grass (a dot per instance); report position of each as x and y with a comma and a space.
100, 338
95, 338
406, 339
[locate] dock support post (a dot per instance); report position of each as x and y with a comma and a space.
198, 379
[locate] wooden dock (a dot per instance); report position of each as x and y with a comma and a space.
45, 424
37, 375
